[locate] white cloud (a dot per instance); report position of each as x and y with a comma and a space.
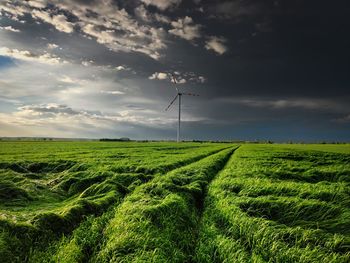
87, 63
25, 55
52, 46
44, 109
180, 77
159, 75
70, 80
112, 92
163, 4
161, 18
122, 33
119, 68
37, 3
181, 81
185, 28
125, 68
102, 36
116, 29
217, 44
67, 79
10, 28
58, 21
191, 77
201, 79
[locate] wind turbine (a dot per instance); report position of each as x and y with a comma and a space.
178, 95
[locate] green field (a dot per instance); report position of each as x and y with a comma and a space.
168, 202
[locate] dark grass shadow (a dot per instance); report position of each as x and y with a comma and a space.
39, 167
10, 192
311, 176
326, 217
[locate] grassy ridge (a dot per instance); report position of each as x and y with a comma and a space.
158, 222
268, 205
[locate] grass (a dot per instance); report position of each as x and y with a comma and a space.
162, 216
46, 196
268, 205
168, 202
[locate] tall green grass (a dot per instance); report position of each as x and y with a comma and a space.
158, 222
45, 197
168, 202
265, 208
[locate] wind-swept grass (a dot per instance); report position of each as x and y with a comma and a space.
168, 202
255, 212
158, 222
43, 198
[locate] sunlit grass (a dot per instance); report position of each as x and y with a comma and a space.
168, 202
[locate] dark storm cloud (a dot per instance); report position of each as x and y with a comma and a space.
280, 48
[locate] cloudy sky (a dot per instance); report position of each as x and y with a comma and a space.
272, 69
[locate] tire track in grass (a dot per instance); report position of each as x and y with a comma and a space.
83, 250
84, 206
214, 230
159, 221
203, 206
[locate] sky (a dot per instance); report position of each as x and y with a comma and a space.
264, 70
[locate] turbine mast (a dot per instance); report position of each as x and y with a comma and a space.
179, 123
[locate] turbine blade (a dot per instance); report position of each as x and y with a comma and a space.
171, 103
175, 82
191, 94
174, 79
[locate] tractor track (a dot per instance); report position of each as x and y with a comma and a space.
153, 202
202, 203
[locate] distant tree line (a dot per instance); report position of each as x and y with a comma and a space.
115, 140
